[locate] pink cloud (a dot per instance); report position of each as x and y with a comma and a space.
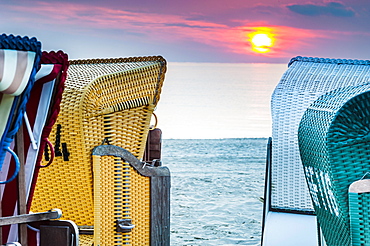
99, 17
288, 40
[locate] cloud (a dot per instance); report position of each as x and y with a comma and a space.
288, 40
104, 17
181, 35
73, 17
331, 9
167, 28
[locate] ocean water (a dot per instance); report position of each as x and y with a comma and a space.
217, 100
216, 190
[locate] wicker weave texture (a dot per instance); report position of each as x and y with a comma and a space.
86, 240
140, 200
109, 99
333, 141
304, 81
359, 207
111, 199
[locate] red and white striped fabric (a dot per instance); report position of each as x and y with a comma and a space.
15, 70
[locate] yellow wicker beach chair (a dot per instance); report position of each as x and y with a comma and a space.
111, 101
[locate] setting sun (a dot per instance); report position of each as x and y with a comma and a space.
262, 40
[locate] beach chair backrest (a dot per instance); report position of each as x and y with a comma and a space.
304, 81
334, 145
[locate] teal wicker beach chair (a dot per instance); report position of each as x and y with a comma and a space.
334, 145
286, 191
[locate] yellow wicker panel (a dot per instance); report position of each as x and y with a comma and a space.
86, 240
131, 200
140, 211
103, 99
129, 129
112, 200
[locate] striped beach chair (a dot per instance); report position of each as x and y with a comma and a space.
19, 62
107, 101
42, 110
334, 145
287, 198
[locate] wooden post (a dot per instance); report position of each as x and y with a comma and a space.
160, 210
1, 215
22, 203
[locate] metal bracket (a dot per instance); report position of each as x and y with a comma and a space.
124, 225
145, 170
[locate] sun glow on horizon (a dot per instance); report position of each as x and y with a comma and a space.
262, 40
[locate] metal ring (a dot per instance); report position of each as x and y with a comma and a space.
367, 173
52, 153
58, 211
156, 122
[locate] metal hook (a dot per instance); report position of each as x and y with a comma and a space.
152, 127
17, 166
105, 140
365, 175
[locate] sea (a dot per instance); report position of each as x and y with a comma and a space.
217, 100
216, 190
215, 119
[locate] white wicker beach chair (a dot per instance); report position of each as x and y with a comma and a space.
286, 191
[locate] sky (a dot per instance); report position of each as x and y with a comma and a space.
200, 31
193, 30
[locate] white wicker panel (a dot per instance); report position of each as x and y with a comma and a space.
305, 80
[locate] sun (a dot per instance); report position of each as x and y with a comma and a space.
261, 41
